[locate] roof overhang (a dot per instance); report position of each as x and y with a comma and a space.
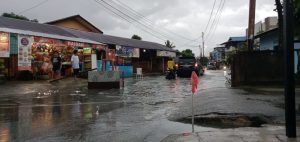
17, 31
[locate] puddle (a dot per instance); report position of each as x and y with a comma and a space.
226, 121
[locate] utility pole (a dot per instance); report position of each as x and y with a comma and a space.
200, 53
203, 43
288, 48
251, 25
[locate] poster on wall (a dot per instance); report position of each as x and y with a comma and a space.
4, 45
24, 52
124, 51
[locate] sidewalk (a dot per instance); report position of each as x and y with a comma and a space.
263, 134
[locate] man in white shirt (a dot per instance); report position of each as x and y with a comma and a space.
75, 63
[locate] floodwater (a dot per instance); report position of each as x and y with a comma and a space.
67, 111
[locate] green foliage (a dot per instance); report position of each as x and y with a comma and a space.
229, 57
169, 44
136, 37
21, 17
187, 53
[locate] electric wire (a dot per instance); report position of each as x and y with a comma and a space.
133, 19
218, 21
215, 18
117, 14
142, 17
33, 7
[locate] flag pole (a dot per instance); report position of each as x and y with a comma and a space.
193, 130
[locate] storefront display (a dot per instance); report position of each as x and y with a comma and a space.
87, 59
4, 45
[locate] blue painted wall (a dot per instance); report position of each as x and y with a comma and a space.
269, 41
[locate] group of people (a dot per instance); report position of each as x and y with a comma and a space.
57, 64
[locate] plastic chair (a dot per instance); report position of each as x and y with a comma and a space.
139, 73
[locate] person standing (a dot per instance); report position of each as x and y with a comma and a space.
56, 65
75, 63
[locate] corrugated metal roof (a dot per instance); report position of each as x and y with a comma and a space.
238, 39
108, 39
48, 30
32, 26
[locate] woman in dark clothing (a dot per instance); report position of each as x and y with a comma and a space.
56, 63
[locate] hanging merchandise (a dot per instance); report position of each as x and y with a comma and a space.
4, 44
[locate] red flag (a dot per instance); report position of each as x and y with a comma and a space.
194, 81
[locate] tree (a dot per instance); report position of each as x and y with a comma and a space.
169, 44
21, 17
279, 9
187, 53
136, 37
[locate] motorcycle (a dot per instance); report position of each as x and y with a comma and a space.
170, 74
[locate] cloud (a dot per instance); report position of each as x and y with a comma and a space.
177, 20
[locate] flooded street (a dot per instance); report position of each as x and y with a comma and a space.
145, 110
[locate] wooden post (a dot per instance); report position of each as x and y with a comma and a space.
288, 44
251, 24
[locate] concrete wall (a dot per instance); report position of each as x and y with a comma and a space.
257, 68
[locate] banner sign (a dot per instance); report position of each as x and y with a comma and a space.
124, 51
77, 44
166, 54
4, 45
24, 54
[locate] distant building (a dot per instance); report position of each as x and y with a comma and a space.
218, 55
234, 44
268, 24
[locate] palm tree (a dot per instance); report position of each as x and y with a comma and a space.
169, 44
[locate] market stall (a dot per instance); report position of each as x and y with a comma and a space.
4, 53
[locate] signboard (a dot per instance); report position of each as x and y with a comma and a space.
24, 54
76, 44
166, 54
100, 47
125, 51
4, 45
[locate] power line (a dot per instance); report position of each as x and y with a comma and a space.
133, 19
110, 10
212, 10
151, 22
215, 17
148, 21
207, 25
219, 17
33, 7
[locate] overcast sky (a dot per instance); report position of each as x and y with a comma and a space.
176, 20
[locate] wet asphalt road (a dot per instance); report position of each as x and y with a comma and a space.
67, 111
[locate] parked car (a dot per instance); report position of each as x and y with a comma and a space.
211, 66
185, 67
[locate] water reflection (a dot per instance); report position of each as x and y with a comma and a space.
52, 112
